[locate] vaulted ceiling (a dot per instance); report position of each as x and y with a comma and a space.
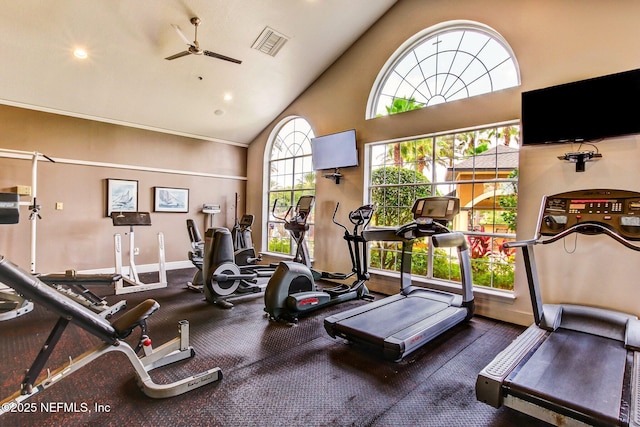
126, 79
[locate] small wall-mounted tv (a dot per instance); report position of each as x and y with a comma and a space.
583, 111
334, 151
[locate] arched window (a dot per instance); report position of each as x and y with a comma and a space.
450, 61
290, 175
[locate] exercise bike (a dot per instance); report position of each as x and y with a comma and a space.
292, 289
244, 254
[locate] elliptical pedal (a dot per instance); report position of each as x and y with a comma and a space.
223, 304
338, 290
335, 276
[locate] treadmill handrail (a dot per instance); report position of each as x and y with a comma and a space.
550, 322
520, 243
454, 239
586, 227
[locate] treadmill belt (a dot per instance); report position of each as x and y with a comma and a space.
378, 324
575, 370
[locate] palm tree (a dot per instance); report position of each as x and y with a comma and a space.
508, 133
400, 105
308, 180
418, 152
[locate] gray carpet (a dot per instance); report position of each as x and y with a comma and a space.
274, 374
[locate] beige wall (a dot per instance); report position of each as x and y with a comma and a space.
80, 236
554, 42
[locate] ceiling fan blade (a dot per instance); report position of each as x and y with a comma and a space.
224, 58
178, 55
181, 34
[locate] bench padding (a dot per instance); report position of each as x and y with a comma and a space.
40, 293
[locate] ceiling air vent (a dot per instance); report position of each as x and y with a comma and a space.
270, 41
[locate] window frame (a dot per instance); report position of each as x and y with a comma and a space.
416, 40
267, 218
370, 163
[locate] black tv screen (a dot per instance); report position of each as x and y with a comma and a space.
582, 111
334, 151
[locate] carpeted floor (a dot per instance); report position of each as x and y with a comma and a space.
273, 374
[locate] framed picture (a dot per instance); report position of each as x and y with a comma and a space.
122, 195
167, 199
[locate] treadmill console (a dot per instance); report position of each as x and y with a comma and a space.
618, 210
436, 208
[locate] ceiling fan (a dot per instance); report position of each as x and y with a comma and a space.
194, 47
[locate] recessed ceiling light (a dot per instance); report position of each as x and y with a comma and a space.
80, 53
228, 97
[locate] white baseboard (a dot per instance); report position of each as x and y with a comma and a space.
144, 268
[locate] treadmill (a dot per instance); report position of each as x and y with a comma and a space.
576, 365
402, 323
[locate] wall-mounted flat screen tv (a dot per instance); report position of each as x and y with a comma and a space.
583, 111
334, 151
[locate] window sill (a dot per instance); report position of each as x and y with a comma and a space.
278, 255
483, 292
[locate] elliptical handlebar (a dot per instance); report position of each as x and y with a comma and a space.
286, 215
297, 216
333, 219
360, 218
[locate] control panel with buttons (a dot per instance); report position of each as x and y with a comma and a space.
618, 210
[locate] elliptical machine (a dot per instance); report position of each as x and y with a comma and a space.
222, 277
292, 289
244, 254
295, 222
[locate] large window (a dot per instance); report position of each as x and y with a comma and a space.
478, 166
291, 175
451, 61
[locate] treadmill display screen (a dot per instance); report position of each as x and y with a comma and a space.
435, 209
438, 208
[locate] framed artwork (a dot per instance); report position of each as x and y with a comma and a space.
167, 199
122, 195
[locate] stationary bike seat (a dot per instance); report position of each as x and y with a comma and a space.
134, 317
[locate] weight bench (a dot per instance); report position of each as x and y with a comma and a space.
12, 305
112, 335
74, 285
